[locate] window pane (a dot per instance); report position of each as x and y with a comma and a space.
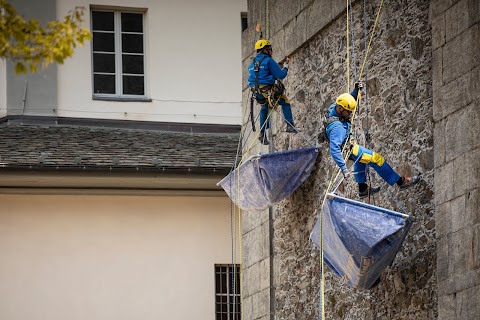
102, 21
132, 43
104, 83
133, 85
132, 22
224, 283
132, 64
103, 42
104, 62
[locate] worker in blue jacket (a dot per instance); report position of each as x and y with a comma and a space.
263, 72
338, 129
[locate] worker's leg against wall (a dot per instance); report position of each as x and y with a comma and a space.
359, 171
386, 172
263, 117
286, 109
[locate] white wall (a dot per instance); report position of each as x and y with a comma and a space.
193, 54
111, 258
3, 88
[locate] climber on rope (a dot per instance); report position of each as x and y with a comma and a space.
338, 131
263, 72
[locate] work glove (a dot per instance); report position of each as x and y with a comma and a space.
285, 65
358, 86
345, 173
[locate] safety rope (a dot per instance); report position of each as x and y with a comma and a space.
348, 51
336, 173
310, 142
240, 244
267, 22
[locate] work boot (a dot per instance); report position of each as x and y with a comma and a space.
368, 191
290, 128
263, 138
408, 182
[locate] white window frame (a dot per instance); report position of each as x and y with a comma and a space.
119, 96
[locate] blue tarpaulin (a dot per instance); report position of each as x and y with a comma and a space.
359, 240
264, 180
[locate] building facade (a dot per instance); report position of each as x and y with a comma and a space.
109, 165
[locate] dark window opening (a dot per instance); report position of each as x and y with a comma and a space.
227, 292
244, 21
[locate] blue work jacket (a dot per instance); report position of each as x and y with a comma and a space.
269, 71
338, 132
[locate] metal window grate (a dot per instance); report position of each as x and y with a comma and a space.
227, 292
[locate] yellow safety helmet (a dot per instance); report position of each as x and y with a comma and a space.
260, 44
347, 101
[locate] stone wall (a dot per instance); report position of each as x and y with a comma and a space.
281, 266
456, 93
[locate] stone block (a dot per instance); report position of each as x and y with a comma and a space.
278, 43
446, 307
472, 207
462, 130
440, 146
468, 304
282, 12
459, 251
437, 70
256, 13
319, 14
456, 19
443, 226
457, 213
473, 12
461, 54
247, 307
256, 245
454, 95
437, 7
460, 176
296, 33
438, 31
261, 304
256, 278
253, 219
249, 37
458, 282
251, 280
472, 171
264, 266
443, 189
443, 258
245, 73
474, 259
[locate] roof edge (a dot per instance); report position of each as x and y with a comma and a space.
123, 124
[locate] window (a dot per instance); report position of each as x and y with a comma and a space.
118, 54
244, 21
227, 302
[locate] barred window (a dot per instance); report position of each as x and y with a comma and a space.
227, 292
118, 53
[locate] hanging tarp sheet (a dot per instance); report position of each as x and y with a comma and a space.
264, 180
359, 240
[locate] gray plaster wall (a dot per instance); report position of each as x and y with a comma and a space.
41, 87
401, 108
456, 93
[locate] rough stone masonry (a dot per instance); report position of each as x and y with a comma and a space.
280, 265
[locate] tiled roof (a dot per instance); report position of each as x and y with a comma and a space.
103, 148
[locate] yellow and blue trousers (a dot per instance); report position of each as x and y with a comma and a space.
364, 157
